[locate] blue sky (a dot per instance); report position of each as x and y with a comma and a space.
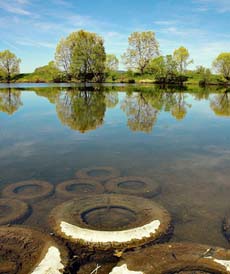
32, 28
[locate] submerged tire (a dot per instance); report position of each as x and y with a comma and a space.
79, 186
102, 173
175, 258
31, 190
24, 250
139, 186
13, 211
226, 227
107, 222
102, 268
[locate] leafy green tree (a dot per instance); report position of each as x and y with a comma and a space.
82, 55
143, 47
205, 74
88, 58
163, 68
112, 63
64, 52
9, 64
49, 71
222, 65
181, 56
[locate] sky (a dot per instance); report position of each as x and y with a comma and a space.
32, 28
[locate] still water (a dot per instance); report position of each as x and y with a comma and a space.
177, 137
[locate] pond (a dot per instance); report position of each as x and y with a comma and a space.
179, 138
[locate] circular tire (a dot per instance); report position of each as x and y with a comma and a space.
226, 227
139, 186
13, 211
106, 222
176, 258
32, 190
102, 173
79, 186
23, 250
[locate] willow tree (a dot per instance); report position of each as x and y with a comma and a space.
9, 64
181, 56
143, 47
222, 65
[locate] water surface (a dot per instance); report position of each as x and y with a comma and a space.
179, 137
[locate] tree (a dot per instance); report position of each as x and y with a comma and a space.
222, 65
181, 56
143, 47
163, 68
112, 63
50, 72
9, 64
205, 74
82, 55
88, 57
64, 52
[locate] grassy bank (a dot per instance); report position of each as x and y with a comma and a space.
193, 78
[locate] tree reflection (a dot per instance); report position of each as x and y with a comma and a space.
10, 100
220, 104
179, 107
81, 110
142, 108
111, 99
51, 93
141, 114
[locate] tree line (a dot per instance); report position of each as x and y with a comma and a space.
81, 56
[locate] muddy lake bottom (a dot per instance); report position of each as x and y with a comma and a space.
178, 138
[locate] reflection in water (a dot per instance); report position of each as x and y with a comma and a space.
179, 107
83, 108
220, 104
141, 114
10, 100
189, 159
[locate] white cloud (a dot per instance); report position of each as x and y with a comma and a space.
221, 6
165, 22
16, 7
33, 43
